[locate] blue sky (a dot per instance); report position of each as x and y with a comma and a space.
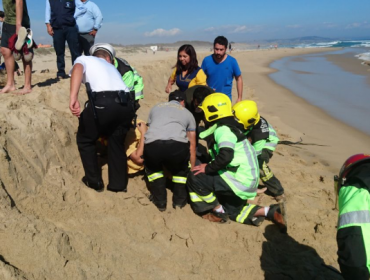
144, 21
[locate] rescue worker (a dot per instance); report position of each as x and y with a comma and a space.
219, 190
264, 139
170, 143
109, 111
352, 187
130, 76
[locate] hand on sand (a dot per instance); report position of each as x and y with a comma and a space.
74, 106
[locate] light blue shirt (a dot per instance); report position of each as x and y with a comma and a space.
88, 16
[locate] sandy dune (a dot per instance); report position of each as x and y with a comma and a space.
53, 227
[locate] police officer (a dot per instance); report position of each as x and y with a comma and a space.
170, 143
61, 25
130, 76
264, 140
219, 190
109, 112
353, 237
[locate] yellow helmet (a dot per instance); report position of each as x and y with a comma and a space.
216, 106
246, 113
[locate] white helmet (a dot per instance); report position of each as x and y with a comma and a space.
103, 46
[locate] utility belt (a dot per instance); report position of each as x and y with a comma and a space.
119, 96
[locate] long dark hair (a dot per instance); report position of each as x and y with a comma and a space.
193, 63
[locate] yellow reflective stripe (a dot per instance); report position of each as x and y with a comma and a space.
198, 198
194, 197
155, 176
244, 213
178, 179
267, 172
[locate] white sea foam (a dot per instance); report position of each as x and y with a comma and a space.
364, 56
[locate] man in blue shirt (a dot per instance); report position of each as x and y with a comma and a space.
61, 25
221, 68
89, 18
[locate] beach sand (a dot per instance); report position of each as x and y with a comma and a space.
54, 227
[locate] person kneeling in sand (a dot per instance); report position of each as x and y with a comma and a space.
219, 190
264, 140
352, 188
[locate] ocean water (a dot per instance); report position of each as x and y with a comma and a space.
343, 95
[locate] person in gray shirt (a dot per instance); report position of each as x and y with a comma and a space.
170, 143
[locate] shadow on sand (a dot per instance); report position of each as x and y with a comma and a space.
284, 258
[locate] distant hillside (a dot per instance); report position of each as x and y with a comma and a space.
306, 39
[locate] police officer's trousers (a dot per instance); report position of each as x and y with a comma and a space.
268, 178
174, 156
113, 121
207, 191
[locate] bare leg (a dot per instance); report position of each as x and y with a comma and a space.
9, 65
27, 67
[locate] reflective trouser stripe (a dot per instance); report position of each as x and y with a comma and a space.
178, 179
354, 217
198, 198
155, 176
244, 213
267, 172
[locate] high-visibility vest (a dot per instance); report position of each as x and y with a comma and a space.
242, 173
131, 77
354, 210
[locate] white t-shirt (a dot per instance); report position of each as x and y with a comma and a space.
101, 75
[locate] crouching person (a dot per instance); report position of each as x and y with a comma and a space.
220, 189
264, 140
169, 143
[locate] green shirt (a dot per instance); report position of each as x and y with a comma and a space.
10, 15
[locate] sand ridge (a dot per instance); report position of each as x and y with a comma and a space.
53, 227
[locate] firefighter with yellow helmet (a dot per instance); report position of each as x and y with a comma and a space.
264, 139
219, 189
352, 187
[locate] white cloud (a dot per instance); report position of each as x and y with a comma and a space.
353, 25
228, 29
163, 33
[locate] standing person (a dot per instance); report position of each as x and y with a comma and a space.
89, 19
219, 190
2, 15
169, 143
61, 25
352, 187
187, 72
109, 112
221, 68
264, 140
16, 17
230, 48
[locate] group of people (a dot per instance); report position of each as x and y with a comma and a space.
220, 184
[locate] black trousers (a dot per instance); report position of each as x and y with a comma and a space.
114, 121
272, 183
174, 156
209, 190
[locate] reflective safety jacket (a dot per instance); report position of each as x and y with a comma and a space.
131, 77
263, 136
353, 234
241, 171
